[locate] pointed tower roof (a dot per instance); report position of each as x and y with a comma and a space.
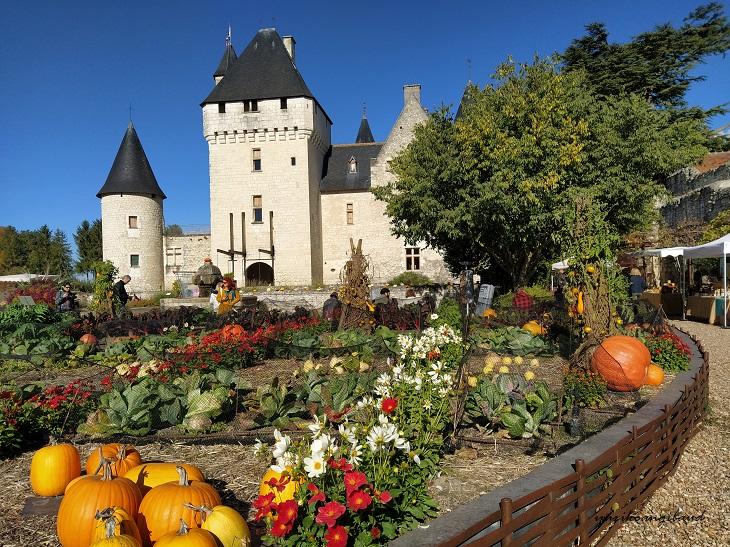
229, 57
466, 99
364, 134
131, 172
263, 71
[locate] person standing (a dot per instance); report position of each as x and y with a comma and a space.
332, 310
120, 297
637, 284
214, 297
207, 277
228, 296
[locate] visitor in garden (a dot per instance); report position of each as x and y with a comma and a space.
228, 296
331, 310
120, 297
65, 299
207, 277
637, 283
384, 298
214, 296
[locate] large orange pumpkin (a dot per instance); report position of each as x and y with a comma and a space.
622, 361
123, 456
149, 475
655, 375
164, 506
233, 331
76, 516
53, 468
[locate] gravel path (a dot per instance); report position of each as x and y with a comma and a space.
701, 484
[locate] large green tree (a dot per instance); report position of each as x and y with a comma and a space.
656, 65
494, 186
36, 251
88, 245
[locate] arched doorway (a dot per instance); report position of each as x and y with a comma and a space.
259, 273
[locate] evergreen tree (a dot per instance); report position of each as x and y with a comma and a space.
88, 245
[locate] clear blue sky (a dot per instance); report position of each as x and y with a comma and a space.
69, 71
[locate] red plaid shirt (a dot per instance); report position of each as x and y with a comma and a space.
522, 300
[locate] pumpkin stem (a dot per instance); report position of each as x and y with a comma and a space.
110, 527
104, 513
107, 464
200, 509
122, 454
183, 474
52, 440
101, 461
184, 528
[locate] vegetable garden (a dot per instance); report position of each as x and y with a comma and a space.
284, 431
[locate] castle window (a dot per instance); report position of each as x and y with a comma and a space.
258, 215
221, 108
352, 165
283, 102
293, 160
256, 157
413, 258
350, 214
251, 105
134, 261
174, 256
133, 222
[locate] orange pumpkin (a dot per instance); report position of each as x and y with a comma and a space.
233, 331
76, 522
149, 475
187, 537
655, 375
118, 521
124, 457
53, 468
88, 339
163, 506
622, 361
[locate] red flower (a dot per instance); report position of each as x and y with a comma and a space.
384, 496
287, 511
359, 500
336, 536
280, 483
317, 494
264, 505
389, 405
340, 464
329, 513
433, 355
354, 480
280, 528
375, 532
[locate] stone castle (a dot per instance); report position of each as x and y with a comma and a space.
284, 200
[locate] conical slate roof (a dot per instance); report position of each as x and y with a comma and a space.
131, 172
466, 100
263, 71
364, 134
229, 57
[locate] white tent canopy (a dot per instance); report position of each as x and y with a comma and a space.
662, 253
714, 249
562, 265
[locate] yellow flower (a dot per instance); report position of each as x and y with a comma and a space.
529, 375
308, 365
506, 360
488, 369
503, 370
472, 381
534, 363
519, 360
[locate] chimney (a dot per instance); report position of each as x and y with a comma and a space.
412, 92
289, 44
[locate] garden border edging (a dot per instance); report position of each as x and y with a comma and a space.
559, 502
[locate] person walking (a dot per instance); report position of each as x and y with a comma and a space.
120, 297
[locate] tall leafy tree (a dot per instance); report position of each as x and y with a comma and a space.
655, 65
88, 245
36, 251
495, 185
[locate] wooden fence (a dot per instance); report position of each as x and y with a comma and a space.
583, 496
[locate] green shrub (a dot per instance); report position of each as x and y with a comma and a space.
449, 313
584, 388
411, 279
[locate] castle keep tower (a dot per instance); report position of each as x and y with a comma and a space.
131, 217
267, 139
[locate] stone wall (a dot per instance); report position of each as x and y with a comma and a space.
183, 255
120, 242
698, 196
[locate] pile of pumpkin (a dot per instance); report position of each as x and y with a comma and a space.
124, 502
624, 362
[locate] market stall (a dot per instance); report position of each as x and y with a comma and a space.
714, 308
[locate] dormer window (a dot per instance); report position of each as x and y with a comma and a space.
251, 106
352, 165
283, 103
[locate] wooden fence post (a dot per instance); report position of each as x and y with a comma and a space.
580, 487
505, 515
